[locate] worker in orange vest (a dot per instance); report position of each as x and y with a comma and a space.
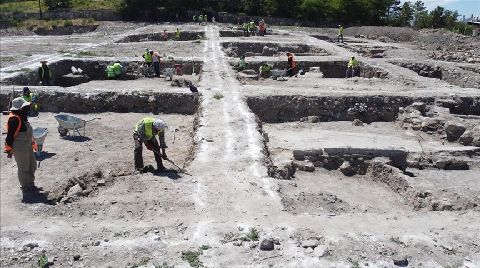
20, 144
292, 65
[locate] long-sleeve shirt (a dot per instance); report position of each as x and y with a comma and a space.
13, 123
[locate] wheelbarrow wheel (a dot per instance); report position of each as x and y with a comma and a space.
62, 131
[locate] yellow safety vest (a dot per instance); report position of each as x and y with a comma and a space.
353, 63
42, 72
148, 57
117, 68
148, 122
110, 71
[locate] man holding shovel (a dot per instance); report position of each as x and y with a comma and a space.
145, 132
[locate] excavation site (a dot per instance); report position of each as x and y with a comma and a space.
264, 165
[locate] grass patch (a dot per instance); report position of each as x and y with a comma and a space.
31, 6
218, 96
33, 24
193, 256
164, 265
252, 235
42, 261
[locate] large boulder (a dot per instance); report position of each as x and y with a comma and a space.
454, 130
471, 137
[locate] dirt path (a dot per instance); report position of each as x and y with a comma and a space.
229, 154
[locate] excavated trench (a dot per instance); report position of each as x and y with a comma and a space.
134, 102
455, 76
330, 69
184, 36
388, 166
237, 49
239, 33
94, 70
287, 108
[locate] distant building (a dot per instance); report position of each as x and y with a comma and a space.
476, 27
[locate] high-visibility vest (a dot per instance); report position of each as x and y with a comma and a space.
8, 148
42, 72
245, 26
29, 98
353, 63
177, 34
340, 31
117, 68
110, 71
194, 18
148, 58
149, 132
252, 25
205, 18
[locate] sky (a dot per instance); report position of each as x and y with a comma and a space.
464, 7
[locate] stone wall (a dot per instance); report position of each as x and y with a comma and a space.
137, 102
277, 109
95, 69
330, 69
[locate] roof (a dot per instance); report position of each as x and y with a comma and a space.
474, 23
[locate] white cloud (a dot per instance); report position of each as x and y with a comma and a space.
430, 4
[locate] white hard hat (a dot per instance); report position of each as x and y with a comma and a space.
159, 124
19, 103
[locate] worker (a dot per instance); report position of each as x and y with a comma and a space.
44, 73
353, 68
156, 63
262, 28
252, 27
213, 20
29, 97
242, 64
178, 34
117, 69
200, 19
147, 56
194, 19
340, 33
245, 29
165, 35
110, 71
20, 144
145, 132
265, 70
292, 65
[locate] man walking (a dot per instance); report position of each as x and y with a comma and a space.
340, 33
44, 73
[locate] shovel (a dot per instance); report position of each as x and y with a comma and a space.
180, 169
10, 103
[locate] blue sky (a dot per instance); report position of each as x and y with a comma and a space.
464, 7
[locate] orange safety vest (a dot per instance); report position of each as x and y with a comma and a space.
8, 148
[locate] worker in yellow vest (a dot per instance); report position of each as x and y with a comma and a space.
147, 56
340, 33
145, 132
29, 97
178, 34
44, 73
353, 68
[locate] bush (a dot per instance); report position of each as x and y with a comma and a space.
67, 23
53, 4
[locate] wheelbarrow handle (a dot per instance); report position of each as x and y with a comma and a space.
93, 119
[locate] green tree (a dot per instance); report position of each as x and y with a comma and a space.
405, 15
420, 14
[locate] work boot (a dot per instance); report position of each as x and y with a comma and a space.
31, 189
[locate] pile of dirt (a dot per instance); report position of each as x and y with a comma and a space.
384, 34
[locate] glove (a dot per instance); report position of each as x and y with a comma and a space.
149, 145
164, 156
34, 146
